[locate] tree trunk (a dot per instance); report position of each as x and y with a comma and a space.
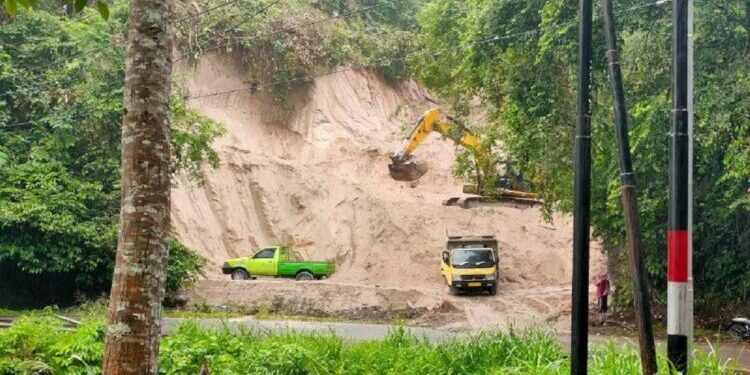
134, 320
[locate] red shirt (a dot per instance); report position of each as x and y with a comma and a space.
602, 287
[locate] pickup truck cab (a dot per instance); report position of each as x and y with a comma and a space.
469, 263
278, 261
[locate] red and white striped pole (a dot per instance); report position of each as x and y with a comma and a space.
678, 236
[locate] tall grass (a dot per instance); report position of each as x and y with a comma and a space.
39, 344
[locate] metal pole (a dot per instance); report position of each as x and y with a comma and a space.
690, 173
582, 199
677, 234
641, 299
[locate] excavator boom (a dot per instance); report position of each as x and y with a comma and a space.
404, 168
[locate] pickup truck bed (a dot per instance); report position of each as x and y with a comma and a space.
291, 269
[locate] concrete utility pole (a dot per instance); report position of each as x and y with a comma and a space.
582, 199
690, 173
678, 234
641, 296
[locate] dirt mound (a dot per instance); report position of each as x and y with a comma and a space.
312, 173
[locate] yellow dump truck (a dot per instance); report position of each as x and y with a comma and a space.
470, 264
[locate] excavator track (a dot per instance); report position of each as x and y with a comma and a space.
475, 202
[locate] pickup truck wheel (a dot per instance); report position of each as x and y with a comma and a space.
454, 291
305, 276
240, 274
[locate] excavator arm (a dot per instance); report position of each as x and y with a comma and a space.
403, 168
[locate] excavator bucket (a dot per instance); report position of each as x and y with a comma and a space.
405, 169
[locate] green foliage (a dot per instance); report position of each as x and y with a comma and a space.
39, 342
11, 6
282, 45
192, 135
184, 266
61, 88
527, 80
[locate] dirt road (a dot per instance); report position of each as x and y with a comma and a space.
515, 304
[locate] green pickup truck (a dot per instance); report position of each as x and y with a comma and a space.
277, 261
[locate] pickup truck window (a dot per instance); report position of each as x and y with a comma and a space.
265, 254
473, 258
290, 255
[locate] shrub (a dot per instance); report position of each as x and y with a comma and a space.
39, 343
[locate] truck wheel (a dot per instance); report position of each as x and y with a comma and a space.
305, 276
492, 290
739, 331
454, 291
240, 274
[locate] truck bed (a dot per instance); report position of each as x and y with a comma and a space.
290, 268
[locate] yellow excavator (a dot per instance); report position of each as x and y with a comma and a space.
403, 167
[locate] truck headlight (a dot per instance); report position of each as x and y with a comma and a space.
456, 277
490, 277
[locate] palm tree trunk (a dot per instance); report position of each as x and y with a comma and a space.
134, 320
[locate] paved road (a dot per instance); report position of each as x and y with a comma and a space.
350, 331
361, 331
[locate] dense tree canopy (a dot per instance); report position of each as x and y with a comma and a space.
61, 88
60, 113
520, 58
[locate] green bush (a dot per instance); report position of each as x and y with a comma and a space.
39, 342
184, 266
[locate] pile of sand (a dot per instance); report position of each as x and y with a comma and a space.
312, 173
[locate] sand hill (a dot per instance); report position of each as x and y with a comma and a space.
312, 173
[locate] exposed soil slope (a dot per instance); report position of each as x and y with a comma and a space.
312, 173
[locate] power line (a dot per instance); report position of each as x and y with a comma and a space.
382, 62
250, 17
247, 19
267, 34
243, 21
209, 10
416, 53
87, 17
108, 46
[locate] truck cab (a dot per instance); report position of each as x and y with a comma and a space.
470, 264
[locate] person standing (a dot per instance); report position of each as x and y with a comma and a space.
602, 292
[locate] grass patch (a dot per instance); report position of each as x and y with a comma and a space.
13, 313
38, 342
93, 308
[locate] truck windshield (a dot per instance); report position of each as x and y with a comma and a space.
472, 258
